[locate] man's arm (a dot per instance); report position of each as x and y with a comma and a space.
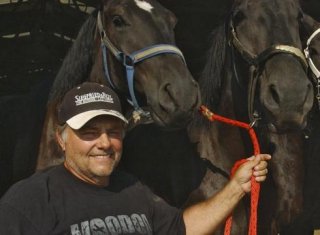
205, 217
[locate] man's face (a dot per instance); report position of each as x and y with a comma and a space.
93, 152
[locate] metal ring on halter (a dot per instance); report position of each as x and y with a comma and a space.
254, 122
312, 66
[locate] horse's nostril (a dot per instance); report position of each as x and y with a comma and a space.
167, 99
167, 88
274, 93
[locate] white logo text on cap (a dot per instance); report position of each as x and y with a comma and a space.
93, 97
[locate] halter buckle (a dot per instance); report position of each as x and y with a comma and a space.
256, 118
126, 60
306, 52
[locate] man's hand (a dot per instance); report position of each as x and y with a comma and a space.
205, 217
256, 166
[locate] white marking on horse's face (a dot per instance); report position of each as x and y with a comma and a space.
144, 5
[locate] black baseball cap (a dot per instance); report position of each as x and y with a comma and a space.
86, 101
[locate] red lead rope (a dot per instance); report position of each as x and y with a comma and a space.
255, 187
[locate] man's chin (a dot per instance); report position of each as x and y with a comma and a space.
103, 171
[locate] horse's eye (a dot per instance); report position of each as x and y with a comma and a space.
118, 21
238, 17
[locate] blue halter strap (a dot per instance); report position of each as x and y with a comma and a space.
128, 61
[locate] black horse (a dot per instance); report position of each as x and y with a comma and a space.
256, 72
309, 219
128, 45
264, 71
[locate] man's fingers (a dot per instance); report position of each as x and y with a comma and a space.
262, 165
260, 157
255, 160
261, 172
260, 178
259, 165
265, 156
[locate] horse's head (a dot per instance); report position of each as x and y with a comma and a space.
266, 34
138, 36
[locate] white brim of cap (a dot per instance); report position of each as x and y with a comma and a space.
79, 120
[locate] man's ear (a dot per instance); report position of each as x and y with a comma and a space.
60, 140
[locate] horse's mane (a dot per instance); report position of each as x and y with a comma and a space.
76, 65
211, 77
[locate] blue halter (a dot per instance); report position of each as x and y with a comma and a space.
128, 61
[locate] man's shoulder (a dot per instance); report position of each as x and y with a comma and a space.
32, 187
28, 200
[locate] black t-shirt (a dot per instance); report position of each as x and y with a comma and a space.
56, 202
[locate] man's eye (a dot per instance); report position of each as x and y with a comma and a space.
115, 134
89, 134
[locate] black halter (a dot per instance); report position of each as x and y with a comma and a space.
256, 62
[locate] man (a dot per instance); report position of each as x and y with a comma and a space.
86, 195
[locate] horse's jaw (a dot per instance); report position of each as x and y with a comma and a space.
176, 122
287, 124
148, 116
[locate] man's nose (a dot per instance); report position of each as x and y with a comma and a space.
103, 141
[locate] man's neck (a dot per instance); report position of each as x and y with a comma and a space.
97, 182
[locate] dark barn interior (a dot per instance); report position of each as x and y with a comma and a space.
34, 38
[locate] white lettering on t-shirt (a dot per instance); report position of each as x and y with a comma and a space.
113, 225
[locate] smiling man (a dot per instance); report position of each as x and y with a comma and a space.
91, 132
87, 195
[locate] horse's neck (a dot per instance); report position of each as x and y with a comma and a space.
228, 135
49, 152
219, 143
96, 73
215, 140
234, 99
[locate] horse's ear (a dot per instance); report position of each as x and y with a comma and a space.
308, 25
172, 18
